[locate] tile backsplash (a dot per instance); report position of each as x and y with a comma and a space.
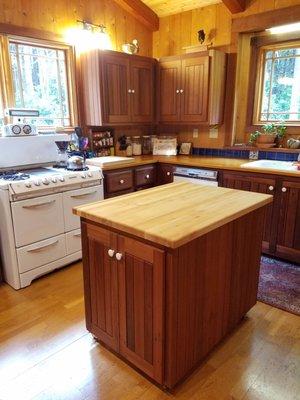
233, 153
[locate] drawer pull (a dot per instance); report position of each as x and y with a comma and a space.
122, 181
119, 256
111, 253
78, 196
181, 90
168, 173
45, 203
271, 188
177, 91
132, 91
42, 247
147, 176
284, 189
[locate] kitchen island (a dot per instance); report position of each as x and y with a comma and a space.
169, 272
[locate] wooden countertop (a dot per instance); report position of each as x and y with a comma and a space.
233, 164
174, 214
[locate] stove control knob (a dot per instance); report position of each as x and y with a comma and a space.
28, 184
61, 178
54, 180
45, 181
90, 174
83, 176
37, 183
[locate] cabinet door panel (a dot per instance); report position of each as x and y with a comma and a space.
288, 239
165, 174
141, 274
169, 82
101, 279
142, 95
259, 185
116, 77
195, 84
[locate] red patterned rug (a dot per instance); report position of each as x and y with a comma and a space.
279, 284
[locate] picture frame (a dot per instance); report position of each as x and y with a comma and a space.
185, 148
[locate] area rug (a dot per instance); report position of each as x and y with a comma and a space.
279, 284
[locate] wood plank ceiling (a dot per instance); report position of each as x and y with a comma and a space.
164, 8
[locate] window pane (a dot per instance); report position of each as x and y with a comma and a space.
40, 82
280, 92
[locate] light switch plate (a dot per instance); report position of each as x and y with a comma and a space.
195, 133
253, 155
213, 133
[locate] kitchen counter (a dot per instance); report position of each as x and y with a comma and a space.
232, 164
169, 272
175, 214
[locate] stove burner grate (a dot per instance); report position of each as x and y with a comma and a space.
14, 176
77, 169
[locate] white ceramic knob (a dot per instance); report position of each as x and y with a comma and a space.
28, 185
177, 91
147, 176
111, 253
121, 181
45, 181
54, 180
129, 90
133, 91
168, 173
61, 178
119, 256
181, 90
284, 189
271, 188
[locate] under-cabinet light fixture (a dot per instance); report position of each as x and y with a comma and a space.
89, 36
284, 28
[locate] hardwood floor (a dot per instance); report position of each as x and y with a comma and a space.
46, 353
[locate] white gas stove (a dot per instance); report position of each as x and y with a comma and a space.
38, 231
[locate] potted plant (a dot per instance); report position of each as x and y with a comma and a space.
267, 137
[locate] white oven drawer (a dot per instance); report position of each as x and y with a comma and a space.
73, 241
76, 198
37, 219
41, 253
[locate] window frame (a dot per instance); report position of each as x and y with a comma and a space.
6, 79
260, 71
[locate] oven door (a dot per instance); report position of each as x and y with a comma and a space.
37, 219
76, 198
197, 181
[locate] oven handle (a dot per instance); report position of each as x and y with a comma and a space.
45, 203
42, 247
77, 196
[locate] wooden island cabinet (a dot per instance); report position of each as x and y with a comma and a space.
165, 279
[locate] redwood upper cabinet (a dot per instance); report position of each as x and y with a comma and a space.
124, 293
117, 88
255, 184
192, 88
288, 238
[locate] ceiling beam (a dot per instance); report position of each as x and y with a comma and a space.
141, 12
235, 6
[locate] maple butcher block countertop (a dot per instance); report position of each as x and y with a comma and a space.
175, 214
232, 164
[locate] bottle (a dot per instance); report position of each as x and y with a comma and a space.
136, 145
129, 146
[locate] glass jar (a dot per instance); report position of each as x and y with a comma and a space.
128, 146
146, 145
136, 145
153, 137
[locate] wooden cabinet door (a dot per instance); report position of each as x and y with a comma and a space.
116, 96
169, 90
141, 94
101, 284
195, 86
165, 174
260, 185
288, 238
141, 304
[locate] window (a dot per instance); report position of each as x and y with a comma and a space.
278, 91
39, 75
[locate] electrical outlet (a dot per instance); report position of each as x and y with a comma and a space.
195, 133
253, 155
213, 133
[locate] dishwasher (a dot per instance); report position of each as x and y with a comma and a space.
204, 177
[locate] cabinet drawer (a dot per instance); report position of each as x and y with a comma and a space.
145, 176
41, 253
119, 181
76, 198
165, 174
73, 241
37, 219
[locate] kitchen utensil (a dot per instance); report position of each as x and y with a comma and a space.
76, 163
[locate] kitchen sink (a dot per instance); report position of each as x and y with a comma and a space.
271, 164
